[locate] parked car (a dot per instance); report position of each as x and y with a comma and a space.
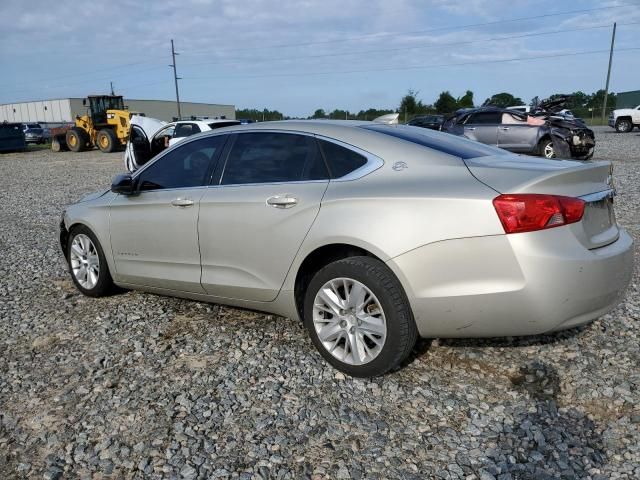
150, 136
35, 133
372, 234
11, 137
541, 133
624, 119
427, 121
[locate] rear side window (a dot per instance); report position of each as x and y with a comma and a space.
341, 160
442, 142
186, 130
273, 157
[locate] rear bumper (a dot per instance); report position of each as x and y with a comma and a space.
511, 285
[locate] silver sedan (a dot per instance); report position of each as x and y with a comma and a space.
371, 234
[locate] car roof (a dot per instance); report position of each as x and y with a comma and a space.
380, 139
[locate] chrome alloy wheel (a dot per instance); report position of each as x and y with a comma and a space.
84, 261
349, 321
548, 150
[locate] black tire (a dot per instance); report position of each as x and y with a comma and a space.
104, 284
401, 331
77, 139
107, 141
624, 125
543, 147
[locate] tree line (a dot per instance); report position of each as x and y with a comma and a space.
580, 103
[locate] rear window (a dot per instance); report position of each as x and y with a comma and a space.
341, 160
441, 142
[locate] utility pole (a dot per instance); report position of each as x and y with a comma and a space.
606, 88
175, 77
112, 94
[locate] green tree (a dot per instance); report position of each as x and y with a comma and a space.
410, 105
319, 113
446, 103
503, 100
466, 101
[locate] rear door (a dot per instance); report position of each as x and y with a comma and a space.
483, 127
253, 221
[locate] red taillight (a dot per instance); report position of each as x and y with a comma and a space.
527, 212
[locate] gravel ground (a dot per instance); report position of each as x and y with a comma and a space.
141, 386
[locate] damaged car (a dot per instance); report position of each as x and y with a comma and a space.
150, 136
543, 131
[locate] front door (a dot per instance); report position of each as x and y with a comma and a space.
254, 220
154, 235
483, 127
516, 135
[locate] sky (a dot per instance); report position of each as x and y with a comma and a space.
296, 56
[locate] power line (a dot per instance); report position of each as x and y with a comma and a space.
96, 70
415, 32
416, 67
404, 48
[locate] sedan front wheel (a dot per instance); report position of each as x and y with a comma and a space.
358, 317
87, 263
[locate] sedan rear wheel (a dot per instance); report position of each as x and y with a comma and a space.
358, 317
87, 263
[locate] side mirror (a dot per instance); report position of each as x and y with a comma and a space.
123, 184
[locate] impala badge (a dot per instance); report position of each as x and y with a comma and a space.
399, 166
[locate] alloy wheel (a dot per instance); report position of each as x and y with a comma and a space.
349, 321
548, 150
85, 262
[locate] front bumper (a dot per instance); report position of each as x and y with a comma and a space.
512, 285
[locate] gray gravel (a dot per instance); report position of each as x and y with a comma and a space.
141, 386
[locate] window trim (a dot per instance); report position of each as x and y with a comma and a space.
373, 161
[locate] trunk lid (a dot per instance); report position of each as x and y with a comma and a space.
592, 181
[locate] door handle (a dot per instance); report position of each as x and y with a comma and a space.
282, 201
469, 128
182, 202
504, 128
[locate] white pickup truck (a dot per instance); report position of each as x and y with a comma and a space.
624, 119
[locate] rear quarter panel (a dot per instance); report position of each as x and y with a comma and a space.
390, 212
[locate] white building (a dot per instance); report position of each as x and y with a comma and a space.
64, 110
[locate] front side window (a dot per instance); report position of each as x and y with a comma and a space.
341, 160
485, 118
273, 157
185, 166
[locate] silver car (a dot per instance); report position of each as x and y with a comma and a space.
370, 234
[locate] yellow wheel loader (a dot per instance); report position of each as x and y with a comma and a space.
106, 126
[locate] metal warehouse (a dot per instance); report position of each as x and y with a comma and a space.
64, 110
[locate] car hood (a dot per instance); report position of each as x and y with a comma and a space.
93, 195
148, 124
623, 111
